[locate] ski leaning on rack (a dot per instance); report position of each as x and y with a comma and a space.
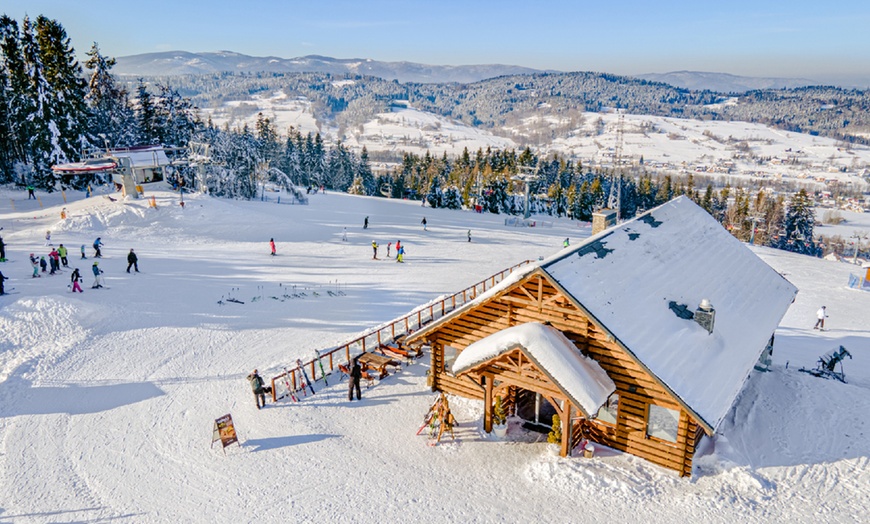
289, 387
322, 371
305, 376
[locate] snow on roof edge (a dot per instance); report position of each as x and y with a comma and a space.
581, 378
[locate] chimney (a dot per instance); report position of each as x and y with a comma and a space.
705, 315
603, 219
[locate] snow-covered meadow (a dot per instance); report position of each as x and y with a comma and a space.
109, 396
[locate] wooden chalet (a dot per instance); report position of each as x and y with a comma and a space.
641, 337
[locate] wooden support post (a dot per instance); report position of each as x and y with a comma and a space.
566, 430
293, 381
347, 352
330, 361
487, 404
274, 392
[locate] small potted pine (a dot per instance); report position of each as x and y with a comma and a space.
499, 419
554, 439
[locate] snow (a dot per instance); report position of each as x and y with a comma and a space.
581, 378
109, 397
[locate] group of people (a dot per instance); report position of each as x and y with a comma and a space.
400, 250
58, 257
259, 388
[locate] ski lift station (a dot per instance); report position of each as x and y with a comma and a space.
128, 166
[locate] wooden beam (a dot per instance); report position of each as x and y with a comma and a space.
566, 431
487, 405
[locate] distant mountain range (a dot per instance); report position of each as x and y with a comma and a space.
724, 82
172, 63
185, 63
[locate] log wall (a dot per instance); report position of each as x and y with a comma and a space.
536, 300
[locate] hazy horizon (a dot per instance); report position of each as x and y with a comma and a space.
801, 39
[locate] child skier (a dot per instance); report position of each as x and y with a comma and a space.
400, 254
76, 277
272, 246
388, 249
83, 253
97, 272
35, 263
97, 245
374, 250
2, 279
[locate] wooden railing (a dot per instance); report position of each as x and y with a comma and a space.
287, 382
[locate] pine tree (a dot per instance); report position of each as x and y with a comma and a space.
146, 115
111, 116
364, 170
452, 198
798, 226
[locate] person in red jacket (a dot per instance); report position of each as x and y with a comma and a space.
272, 246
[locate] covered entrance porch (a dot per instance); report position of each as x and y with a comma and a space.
536, 358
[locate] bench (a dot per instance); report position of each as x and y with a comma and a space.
377, 363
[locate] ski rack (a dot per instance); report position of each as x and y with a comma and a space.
389, 332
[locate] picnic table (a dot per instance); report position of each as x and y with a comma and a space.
377, 363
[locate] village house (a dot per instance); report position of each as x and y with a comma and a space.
640, 338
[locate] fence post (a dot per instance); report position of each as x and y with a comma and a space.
292, 381
274, 391
347, 352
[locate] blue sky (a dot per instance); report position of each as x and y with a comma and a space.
810, 39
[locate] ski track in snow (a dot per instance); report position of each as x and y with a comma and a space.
109, 397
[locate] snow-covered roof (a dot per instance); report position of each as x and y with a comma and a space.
626, 277
579, 377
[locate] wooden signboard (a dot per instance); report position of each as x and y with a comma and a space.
224, 431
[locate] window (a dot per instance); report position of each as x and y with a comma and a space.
607, 412
662, 423
449, 358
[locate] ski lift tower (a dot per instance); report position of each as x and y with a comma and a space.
527, 175
614, 201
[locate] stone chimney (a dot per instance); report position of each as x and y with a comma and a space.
705, 315
602, 219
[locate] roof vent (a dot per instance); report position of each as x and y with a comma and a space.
705, 315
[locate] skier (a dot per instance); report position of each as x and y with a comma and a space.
388, 249
97, 245
2, 279
821, 315
97, 272
257, 387
30, 193
400, 254
54, 261
374, 250
83, 253
469, 235
565, 243
35, 263
75, 278
272, 246
48, 238
43, 264
366, 223
353, 384
62, 252
132, 260
344, 235
424, 223
2, 250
